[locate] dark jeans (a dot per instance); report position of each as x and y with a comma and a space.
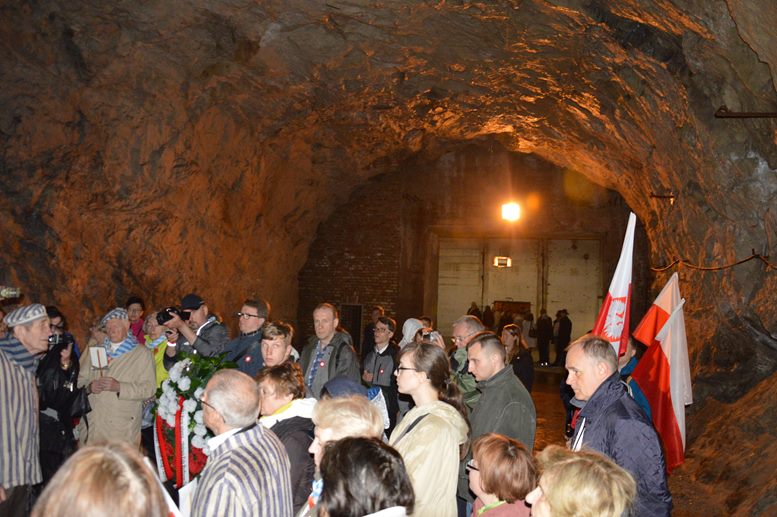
544, 346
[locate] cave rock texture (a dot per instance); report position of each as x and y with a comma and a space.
167, 146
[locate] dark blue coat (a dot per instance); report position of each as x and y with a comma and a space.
613, 424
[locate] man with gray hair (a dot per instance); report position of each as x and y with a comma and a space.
19, 463
612, 423
248, 469
464, 329
116, 389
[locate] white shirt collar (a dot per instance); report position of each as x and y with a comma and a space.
381, 350
220, 439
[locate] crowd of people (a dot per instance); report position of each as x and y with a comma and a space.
414, 427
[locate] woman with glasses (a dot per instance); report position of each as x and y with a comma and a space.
501, 474
432, 437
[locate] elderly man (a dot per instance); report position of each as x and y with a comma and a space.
248, 470
19, 464
612, 423
246, 349
204, 333
464, 329
276, 343
329, 353
116, 390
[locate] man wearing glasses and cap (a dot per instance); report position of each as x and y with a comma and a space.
204, 334
246, 349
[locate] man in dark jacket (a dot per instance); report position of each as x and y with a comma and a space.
246, 349
504, 407
379, 365
203, 333
612, 423
329, 353
564, 336
544, 328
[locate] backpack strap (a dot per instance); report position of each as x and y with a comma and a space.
410, 428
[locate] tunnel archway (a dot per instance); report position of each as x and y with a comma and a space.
161, 150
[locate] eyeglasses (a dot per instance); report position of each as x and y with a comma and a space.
459, 339
205, 402
169, 332
378, 329
400, 369
246, 315
471, 466
61, 326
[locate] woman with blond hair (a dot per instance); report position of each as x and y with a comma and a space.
580, 484
335, 419
99, 480
501, 473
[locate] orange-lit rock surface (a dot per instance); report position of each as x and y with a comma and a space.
163, 147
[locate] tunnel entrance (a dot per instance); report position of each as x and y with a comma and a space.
419, 241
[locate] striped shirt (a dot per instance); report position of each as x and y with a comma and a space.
19, 464
247, 475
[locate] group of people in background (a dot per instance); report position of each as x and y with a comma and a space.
415, 426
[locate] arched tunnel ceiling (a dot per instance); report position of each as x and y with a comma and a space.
209, 139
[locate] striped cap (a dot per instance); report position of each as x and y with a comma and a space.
115, 314
25, 314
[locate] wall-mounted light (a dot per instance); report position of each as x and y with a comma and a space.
503, 262
511, 212
670, 196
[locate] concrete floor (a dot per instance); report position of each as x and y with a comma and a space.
550, 410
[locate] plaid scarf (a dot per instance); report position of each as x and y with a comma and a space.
126, 346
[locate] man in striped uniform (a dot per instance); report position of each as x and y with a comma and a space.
19, 464
248, 470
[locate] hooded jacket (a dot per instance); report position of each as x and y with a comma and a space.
613, 424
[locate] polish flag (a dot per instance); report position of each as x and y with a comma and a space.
614, 315
664, 372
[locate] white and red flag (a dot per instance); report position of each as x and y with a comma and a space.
613, 320
664, 373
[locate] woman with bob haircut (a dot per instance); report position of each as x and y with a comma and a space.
501, 473
580, 484
287, 413
99, 480
432, 437
363, 477
335, 419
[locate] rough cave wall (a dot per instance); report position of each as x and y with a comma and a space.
161, 147
379, 248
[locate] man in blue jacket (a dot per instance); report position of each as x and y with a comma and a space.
612, 423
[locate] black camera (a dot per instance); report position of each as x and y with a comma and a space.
60, 339
166, 315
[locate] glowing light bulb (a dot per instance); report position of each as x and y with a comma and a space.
511, 212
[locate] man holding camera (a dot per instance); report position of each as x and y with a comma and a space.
204, 334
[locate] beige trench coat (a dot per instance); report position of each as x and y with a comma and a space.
118, 416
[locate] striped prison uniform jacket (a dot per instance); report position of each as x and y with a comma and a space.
19, 464
247, 475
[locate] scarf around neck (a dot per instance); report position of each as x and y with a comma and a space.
126, 346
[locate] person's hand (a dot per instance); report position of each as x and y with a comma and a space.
65, 355
2, 494
175, 321
95, 387
98, 335
109, 384
367, 376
